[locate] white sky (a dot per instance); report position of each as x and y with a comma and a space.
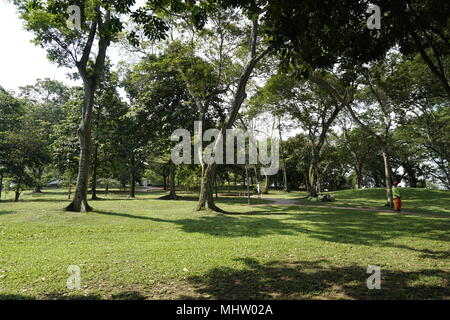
21, 62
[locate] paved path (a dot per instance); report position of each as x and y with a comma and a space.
290, 202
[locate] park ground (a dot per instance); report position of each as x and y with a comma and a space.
146, 248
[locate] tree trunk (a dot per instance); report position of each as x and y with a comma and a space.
358, 178
313, 176
388, 178
412, 177
90, 78
38, 185
17, 193
207, 184
165, 182
79, 202
206, 200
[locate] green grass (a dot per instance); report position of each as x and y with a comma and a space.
414, 200
159, 249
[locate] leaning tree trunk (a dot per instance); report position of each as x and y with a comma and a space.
388, 178
79, 202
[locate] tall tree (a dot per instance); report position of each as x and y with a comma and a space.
74, 47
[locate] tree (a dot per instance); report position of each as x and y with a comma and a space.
310, 106
73, 47
44, 101
22, 150
11, 110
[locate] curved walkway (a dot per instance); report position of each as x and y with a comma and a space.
290, 202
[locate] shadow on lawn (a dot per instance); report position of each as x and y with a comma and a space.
332, 225
126, 295
313, 279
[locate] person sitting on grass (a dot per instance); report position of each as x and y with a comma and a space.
396, 196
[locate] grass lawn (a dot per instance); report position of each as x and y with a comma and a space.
414, 200
160, 249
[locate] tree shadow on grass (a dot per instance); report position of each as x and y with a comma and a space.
223, 225
126, 295
316, 279
330, 225
123, 215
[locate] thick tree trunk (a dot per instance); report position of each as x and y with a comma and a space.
90, 78
79, 202
388, 178
206, 200
17, 193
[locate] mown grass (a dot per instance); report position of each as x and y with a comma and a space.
414, 200
163, 249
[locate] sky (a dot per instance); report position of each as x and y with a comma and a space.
22, 62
